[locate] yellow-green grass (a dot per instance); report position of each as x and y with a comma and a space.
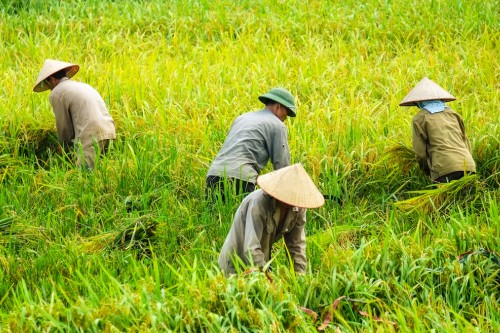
175, 75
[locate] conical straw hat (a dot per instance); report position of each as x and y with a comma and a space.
50, 67
293, 186
426, 90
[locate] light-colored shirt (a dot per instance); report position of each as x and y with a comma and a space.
440, 143
256, 228
253, 140
81, 114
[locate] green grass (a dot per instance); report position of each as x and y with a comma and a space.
174, 75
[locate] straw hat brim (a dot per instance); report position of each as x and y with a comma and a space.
426, 90
50, 67
293, 186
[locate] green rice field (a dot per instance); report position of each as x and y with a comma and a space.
133, 246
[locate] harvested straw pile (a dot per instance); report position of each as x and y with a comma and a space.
17, 235
6, 160
138, 236
439, 196
36, 140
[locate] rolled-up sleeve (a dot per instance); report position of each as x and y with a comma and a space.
295, 242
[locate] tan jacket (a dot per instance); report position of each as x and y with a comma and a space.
255, 229
440, 143
81, 114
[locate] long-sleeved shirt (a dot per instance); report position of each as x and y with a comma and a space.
253, 140
440, 143
81, 114
256, 228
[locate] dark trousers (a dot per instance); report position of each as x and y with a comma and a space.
222, 186
449, 177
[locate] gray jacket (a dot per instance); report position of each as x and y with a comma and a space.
253, 140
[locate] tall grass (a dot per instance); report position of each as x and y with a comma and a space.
133, 246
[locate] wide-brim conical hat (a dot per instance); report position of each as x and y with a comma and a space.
426, 90
293, 186
50, 67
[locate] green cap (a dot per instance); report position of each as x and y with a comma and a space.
282, 96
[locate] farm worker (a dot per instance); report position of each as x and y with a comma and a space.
276, 210
438, 133
253, 139
82, 119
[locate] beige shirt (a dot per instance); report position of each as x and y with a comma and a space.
440, 143
256, 228
81, 114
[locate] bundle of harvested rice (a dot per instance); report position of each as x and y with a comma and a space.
439, 196
136, 236
402, 157
17, 235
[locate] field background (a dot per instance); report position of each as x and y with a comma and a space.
132, 245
